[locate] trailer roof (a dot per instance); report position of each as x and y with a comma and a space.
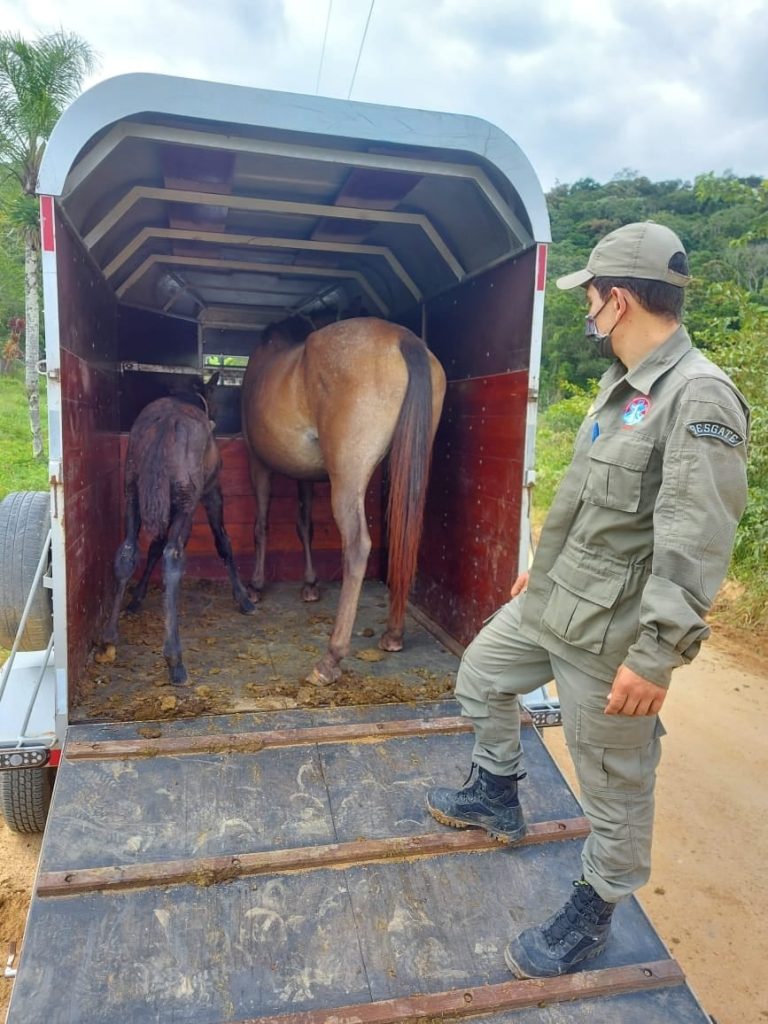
238, 206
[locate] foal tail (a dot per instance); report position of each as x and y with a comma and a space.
409, 460
155, 487
169, 459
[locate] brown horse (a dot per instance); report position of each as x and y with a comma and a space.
173, 462
331, 407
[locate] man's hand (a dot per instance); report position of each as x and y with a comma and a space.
632, 695
520, 584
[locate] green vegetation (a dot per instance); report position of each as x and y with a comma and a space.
18, 470
723, 222
38, 80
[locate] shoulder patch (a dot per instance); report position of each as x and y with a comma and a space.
707, 428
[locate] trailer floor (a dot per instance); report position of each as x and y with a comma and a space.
282, 867
258, 662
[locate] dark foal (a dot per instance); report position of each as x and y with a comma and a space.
173, 463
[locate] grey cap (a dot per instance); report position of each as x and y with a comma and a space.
641, 250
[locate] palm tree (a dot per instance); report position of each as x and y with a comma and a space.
37, 81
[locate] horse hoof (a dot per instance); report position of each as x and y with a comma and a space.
391, 642
310, 592
247, 607
106, 655
322, 676
177, 675
254, 593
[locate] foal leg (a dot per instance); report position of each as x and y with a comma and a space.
349, 512
213, 503
260, 480
310, 591
126, 559
140, 591
173, 568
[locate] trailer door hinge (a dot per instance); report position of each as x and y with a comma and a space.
53, 374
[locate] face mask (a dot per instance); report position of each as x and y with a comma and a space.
602, 341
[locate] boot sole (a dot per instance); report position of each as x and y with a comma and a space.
518, 971
500, 837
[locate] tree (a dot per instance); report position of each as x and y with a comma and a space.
37, 81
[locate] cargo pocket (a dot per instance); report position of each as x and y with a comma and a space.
617, 752
583, 600
616, 466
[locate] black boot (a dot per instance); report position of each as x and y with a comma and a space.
490, 802
577, 932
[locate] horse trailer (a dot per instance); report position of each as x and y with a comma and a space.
247, 847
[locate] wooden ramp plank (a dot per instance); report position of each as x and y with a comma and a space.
428, 925
380, 789
130, 812
252, 743
121, 812
467, 1003
210, 870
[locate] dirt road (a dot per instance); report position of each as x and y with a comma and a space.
708, 895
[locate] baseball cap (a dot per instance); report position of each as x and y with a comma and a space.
641, 250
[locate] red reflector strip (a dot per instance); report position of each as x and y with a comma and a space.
47, 232
541, 268
53, 760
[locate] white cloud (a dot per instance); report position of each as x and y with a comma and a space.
669, 88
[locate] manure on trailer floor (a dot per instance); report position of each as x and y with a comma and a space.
259, 662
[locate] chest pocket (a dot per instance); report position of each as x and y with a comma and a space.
616, 466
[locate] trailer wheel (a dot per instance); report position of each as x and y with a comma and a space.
25, 518
25, 795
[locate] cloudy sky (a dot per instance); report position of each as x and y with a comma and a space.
669, 88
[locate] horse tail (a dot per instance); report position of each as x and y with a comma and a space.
154, 484
409, 461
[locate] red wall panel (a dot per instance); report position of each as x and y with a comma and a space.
469, 553
285, 559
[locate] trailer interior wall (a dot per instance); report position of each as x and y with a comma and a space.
470, 546
88, 316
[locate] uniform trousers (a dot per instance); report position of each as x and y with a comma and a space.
615, 756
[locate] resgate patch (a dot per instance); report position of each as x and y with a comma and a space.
636, 410
707, 428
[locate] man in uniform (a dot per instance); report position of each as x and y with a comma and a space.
632, 554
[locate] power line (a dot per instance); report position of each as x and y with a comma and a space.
325, 40
360, 51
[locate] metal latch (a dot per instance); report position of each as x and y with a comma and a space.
24, 757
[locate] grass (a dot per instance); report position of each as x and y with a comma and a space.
18, 470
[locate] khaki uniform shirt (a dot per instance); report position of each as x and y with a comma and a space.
640, 532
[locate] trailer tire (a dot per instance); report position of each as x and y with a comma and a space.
25, 796
25, 518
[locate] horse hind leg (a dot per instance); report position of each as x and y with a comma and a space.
349, 513
140, 591
173, 569
310, 591
260, 481
213, 504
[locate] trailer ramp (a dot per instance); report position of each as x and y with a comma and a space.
282, 867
